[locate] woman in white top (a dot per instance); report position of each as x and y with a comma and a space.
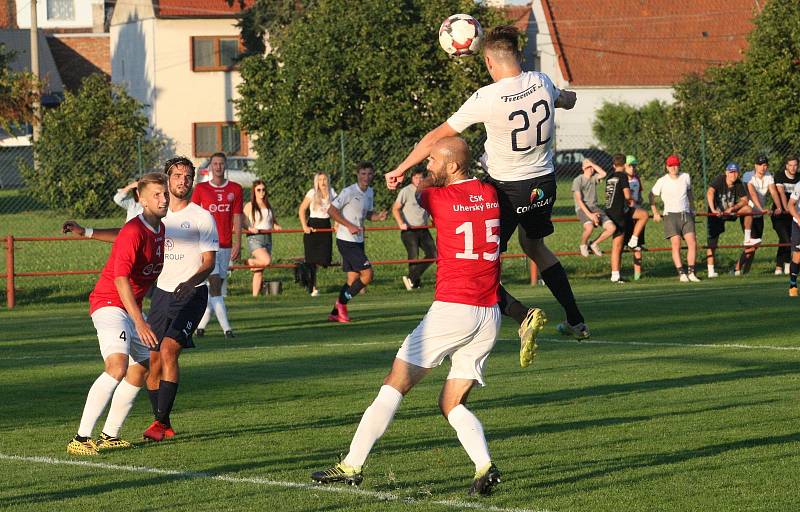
317, 243
128, 198
258, 215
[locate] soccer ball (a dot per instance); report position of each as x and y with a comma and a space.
460, 35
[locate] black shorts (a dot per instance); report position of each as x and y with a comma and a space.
354, 259
757, 229
629, 223
174, 319
527, 203
620, 220
716, 225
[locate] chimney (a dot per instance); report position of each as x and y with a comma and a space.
98, 17
8, 14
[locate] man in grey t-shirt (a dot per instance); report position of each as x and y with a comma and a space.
409, 216
584, 191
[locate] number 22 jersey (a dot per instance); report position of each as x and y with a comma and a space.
467, 218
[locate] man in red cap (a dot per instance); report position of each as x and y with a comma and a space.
675, 190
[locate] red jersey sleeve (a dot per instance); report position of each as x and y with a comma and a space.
197, 195
238, 200
426, 198
128, 243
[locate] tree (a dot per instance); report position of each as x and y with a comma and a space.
18, 90
372, 78
90, 144
731, 112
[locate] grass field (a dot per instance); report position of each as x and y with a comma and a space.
685, 399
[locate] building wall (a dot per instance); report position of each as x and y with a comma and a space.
84, 10
80, 55
574, 127
133, 59
183, 96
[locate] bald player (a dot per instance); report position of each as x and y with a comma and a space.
462, 323
518, 113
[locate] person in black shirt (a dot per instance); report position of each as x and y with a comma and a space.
785, 181
618, 199
727, 199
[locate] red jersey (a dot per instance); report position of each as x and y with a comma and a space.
223, 202
467, 218
138, 254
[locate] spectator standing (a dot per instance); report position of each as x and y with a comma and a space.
350, 209
760, 185
258, 215
635, 214
675, 190
785, 182
317, 243
127, 197
411, 218
618, 197
223, 199
590, 215
726, 198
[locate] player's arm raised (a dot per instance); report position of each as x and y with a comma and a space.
104, 235
419, 153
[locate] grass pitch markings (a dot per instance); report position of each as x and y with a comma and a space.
376, 495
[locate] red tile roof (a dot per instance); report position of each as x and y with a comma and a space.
645, 43
199, 8
519, 15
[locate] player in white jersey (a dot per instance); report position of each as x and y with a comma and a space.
518, 112
181, 293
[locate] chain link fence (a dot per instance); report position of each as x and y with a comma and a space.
25, 214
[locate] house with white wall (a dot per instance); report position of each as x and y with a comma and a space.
178, 57
631, 51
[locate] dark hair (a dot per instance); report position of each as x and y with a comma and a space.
365, 164
503, 39
790, 158
152, 177
255, 211
219, 154
618, 160
175, 161
417, 170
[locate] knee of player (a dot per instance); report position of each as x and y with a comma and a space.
117, 371
366, 276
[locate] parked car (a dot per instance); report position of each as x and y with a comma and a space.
237, 168
568, 161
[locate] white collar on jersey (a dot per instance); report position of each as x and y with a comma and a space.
211, 183
463, 181
148, 226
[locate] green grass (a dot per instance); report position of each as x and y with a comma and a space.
641, 418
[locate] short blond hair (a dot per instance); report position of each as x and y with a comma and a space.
152, 177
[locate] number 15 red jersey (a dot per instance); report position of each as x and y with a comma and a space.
467, 218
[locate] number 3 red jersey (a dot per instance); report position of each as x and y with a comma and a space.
467, 218
223, 202
138, 253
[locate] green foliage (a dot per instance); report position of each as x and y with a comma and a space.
89, 145
374, 77
739, 110
18, 91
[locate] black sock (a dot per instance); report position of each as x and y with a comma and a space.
793, 270
166, 398
555, 277
81, 439
343, 295
347, 293
510, 306
153, 394
681, 270
691, 269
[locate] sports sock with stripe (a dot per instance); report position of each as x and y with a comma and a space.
96, 400
374, 422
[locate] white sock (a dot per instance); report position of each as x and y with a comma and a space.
747, 234
121, 404
96, 401
711, 269
615, 275
220, 311
786, 268
374, 422
470, 433
634, 240
206, 316
224, 289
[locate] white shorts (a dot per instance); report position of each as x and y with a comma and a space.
117, 334
465, 333
222, 263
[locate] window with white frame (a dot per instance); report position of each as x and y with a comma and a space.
63, 10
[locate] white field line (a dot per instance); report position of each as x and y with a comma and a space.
716, 346
373, 495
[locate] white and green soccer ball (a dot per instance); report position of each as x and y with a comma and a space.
460, 35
